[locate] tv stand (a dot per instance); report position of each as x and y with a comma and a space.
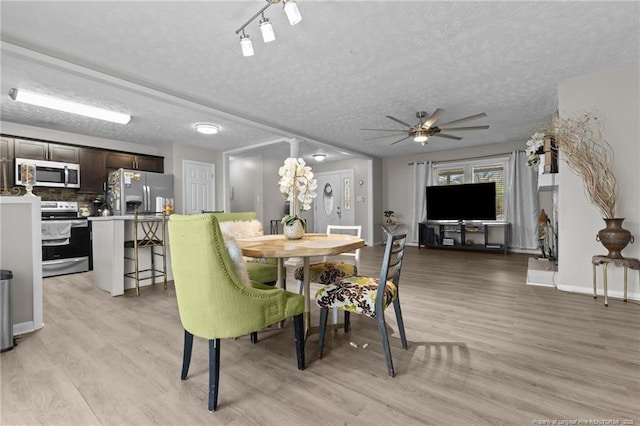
459, 235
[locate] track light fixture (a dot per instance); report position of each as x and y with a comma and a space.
293, 15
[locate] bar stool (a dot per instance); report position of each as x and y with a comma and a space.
149, 229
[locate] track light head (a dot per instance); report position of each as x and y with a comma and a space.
267, 30
245, 45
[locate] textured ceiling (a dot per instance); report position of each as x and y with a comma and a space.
343, 68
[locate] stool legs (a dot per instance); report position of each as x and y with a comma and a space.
604, 276
625, 284
595, 294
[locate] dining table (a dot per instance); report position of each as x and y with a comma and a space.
310, 245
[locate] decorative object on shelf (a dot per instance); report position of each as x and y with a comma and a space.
28, 177
535, 148
297, 184
589, 155
614, 237
389, 214
293, 15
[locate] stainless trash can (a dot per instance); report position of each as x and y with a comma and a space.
6, 311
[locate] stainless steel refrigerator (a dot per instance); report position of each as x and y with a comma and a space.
131, 190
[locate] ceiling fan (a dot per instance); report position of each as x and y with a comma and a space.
425, 128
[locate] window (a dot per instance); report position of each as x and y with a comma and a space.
476, 171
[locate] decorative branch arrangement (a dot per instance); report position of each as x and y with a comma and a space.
589, 155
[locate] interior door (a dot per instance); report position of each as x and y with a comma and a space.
199, 186
333, 205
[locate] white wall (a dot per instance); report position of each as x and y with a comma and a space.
614, 96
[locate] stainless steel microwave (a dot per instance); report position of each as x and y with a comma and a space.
47, 173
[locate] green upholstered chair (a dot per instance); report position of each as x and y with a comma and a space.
213, 302
365, 295
264, 271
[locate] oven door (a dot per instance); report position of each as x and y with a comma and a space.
69, 257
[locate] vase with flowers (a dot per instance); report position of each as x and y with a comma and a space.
298, 186
535, 148
589, 155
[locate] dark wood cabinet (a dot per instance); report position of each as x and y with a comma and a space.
93, 169
37, 150
6, 167
125, 160
150, 163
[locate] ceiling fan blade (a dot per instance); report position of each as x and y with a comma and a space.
436, 114
393, 143
459, 129
382, 137
399, 121
442, 135
386, 130
471, 117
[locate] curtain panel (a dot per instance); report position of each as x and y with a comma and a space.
522, 202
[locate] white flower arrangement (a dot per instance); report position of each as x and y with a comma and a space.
297, 184
535, 147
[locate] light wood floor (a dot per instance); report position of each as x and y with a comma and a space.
484, 348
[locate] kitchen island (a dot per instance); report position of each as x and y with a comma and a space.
21, 253
108, 236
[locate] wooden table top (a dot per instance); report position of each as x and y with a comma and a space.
309, 245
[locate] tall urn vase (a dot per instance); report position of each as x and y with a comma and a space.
614, 237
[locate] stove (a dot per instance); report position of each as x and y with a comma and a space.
66, 239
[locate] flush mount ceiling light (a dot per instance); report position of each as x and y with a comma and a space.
293, 15
319, 156
207, 128
58, 104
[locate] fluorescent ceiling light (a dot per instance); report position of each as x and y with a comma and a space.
207, 129
68, 106
319, 157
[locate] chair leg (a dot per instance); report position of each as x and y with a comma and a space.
385, 343
254, 337
135, 256
299, 284
347, 321
324, 314
186, 356
403, 337
298, 329
214, 373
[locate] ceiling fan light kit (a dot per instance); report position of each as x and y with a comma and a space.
425, 128
45, 101
293, 15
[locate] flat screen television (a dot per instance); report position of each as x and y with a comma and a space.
473, 201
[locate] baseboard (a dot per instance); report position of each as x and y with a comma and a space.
616, 294
23, 327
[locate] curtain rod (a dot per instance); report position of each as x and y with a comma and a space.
464, 159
